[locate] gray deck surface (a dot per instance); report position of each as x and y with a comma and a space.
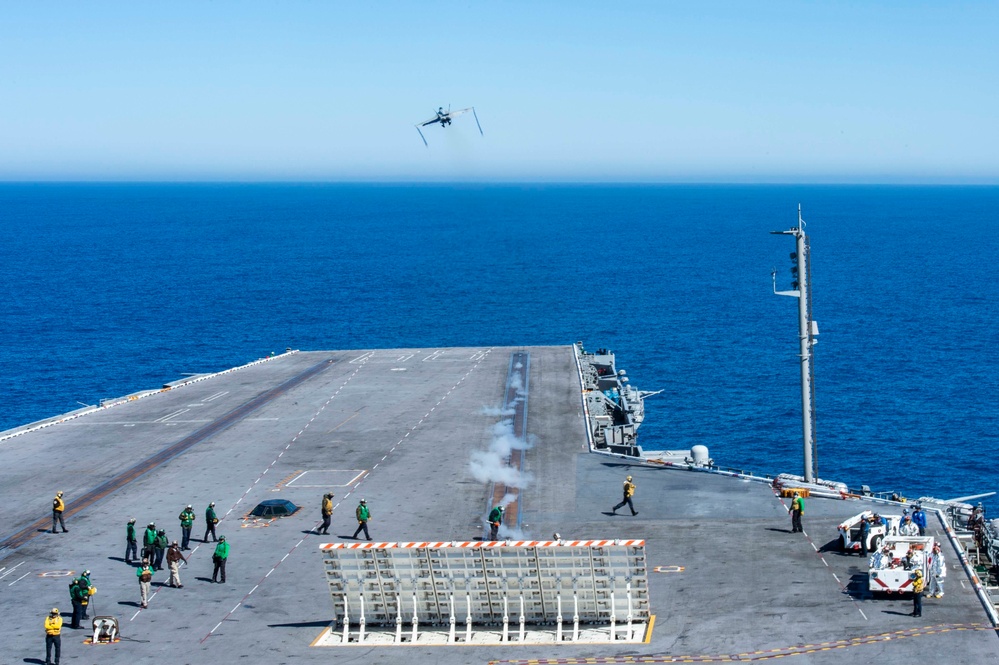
411, 419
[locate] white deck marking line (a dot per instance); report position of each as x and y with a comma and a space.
375, 466
217, 626
19, 578
383, 459
253, 589
285, 556
269, 572
9, 571
824, 562
837, 578
862, 614
300, 542
135, 615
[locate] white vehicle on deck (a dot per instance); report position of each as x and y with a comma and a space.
890, 573
849, 532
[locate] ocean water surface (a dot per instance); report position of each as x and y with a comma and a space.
109, 289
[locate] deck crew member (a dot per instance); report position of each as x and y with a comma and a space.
174, 556
186, 523
149, 541
881, 559
938, 571
908, 528
80, 591
327, 512
145, 575
58, 506
363, 515
131, 545
797, 510
917, 594
919, 519
53, 638
865, 533
220, 558
629, 491
211, 519
495, 519
159, 548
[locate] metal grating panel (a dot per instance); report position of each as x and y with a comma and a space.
435, 581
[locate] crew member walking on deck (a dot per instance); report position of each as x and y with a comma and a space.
53, 638
938, 571
363, 515
865, 534
327, 511
917, 594
58, 506
495, 519
797, 510
629, 491
174, 557
220, 558
211, 519
145, 575
186, 523
131, 546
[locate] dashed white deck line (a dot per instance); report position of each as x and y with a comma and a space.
253, 589
135, 615
862, 614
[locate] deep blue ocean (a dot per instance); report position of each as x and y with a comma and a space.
109, 289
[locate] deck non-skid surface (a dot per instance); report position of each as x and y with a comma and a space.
399, 428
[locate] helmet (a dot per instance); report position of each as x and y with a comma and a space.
188, 506
131, 521
161, 532
212, 503
556, 536
628, 478
86, 573
221, 538
152, 524
58, 493
55, 610
363, 501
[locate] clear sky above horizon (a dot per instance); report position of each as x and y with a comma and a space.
706, 91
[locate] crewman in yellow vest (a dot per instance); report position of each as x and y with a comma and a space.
58, 505
53, 629
629, 491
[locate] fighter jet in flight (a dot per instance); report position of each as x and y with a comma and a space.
444, 118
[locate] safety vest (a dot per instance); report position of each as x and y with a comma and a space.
53, 624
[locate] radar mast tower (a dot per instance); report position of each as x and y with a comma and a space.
801, 285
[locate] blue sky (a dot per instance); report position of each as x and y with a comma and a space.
580, 91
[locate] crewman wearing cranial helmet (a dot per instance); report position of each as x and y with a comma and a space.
629, 491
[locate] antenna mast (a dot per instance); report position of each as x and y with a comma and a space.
807, 330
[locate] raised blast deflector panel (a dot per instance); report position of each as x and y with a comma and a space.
594, 579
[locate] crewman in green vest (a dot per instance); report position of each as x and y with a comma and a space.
186, 522
211, 519
220, 558
131, 545
363, 515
